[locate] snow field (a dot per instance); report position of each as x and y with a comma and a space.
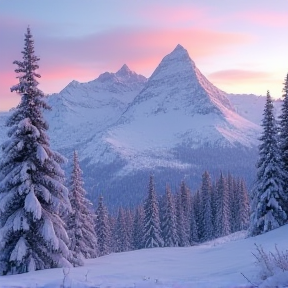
218, 263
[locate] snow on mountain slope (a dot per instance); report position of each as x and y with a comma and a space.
251, 106
218, 263
83, 109
178, 106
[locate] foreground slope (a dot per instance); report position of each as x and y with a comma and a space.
218, 263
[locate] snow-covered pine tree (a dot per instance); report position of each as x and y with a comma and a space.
129, 227
138, 227
121, 232
152, 231
206, 190
169, 230
102, 228
80, 222
233, 185
184, 238
186, 207
32, 193
162, 208
214, 208
193, 224
222, 217
197, 205
267, 212
231, 200
242, 218
283, 144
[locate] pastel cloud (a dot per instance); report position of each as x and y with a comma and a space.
246, 81
237, 75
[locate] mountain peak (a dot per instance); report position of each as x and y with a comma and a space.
124, 70
179, 51
180, 47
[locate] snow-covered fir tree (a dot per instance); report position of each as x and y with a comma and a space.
183, 236
129, 227
283, 145
222, 216
112, 226
152, 230
232, 201
197, 202
267, 199
169, 230
206, 191
103, 228
32, 193
80, 222
121, 232
186, 208
138, 228
233, 185
194, 238
243, 208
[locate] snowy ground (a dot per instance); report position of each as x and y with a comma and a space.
218, 263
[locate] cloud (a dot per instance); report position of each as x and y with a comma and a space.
235, 75
246, 81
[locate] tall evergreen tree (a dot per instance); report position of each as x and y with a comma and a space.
32, 193
222, 217
169, 230
184, 237
185, 195
194, 238
129, 227
138, 227
243, 206
80, 223
234, 203
231, 200
283, 145
112, 225
121, 232
197, 207
206, 190
152, 231
214, 208
267, 212
102, 228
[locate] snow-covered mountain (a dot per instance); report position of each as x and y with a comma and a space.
83, 109
178, 106
176, 124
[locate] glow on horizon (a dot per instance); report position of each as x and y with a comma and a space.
240, 48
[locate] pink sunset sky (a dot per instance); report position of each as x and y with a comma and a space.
240, 46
